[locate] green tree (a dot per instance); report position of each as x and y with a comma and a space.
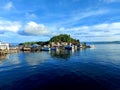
64, 38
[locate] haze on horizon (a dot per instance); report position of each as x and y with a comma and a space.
39, 20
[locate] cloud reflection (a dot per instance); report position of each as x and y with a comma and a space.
36, 58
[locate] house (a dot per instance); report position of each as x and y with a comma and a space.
4, 46
58, 44
35, 47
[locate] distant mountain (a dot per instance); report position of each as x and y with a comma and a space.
13, 44
105, 42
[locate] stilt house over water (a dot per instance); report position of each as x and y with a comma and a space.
4, 46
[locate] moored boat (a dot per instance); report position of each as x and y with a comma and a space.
92, 46
69, 47
53, 48
45, 49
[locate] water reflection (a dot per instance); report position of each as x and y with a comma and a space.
14, 59
64, 54
82, 49
2, 57
85, 69
9, 60
36, 58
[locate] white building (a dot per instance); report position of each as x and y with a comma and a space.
4, 46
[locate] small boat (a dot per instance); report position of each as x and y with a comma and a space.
68, 47
45, 49
92, 46
53, 48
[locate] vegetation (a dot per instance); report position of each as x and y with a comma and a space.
60, 38
27, 43
42, 43
31, 43
64, 38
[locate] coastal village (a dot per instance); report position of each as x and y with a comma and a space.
60, 42
4, 48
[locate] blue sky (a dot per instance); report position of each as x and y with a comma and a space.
39, 20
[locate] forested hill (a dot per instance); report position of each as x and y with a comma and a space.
64, 38
105, 42
59, 38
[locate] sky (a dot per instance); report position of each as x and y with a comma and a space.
39, 20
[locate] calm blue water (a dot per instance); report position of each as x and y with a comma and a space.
88, 69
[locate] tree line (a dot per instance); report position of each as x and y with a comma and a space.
59, 38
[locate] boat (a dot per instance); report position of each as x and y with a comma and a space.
69, 47
45, 49
92, 46
53, 48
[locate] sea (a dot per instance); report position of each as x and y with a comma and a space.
85, 69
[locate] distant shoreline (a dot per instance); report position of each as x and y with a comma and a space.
101, 42
107, 42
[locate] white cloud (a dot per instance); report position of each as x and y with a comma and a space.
76, 16
30, 15
89, 13
12, 26
8, 6
108, 28
75, 0
110, 1
99, 30
82, 28
36, 29
100, 26
115, 26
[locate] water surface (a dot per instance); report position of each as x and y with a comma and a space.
85, 69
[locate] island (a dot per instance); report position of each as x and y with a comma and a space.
62, 41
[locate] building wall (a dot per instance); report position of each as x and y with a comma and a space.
4, 46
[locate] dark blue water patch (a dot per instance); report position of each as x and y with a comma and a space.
64, 82
89, 69
76, 77
54, 80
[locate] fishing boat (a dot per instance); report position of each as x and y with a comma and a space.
54, 48
45, 49
69, 47
92, 46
